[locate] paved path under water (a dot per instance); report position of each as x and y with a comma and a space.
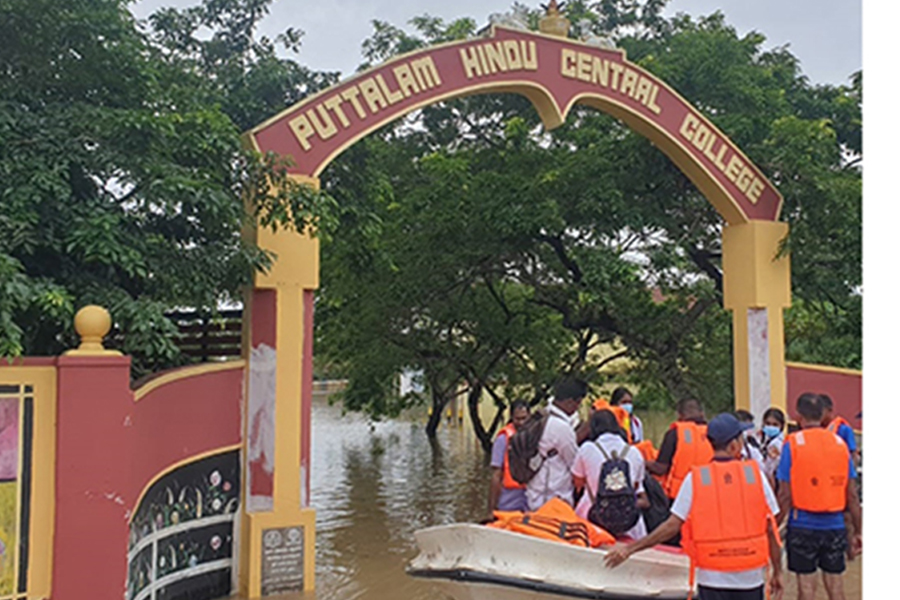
373, 486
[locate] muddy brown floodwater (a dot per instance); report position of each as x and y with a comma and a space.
373, 486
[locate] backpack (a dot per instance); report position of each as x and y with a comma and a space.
658, 511
615, 506
525, 459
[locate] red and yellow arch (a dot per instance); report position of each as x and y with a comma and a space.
555, 74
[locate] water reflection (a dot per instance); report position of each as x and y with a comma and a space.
373, 486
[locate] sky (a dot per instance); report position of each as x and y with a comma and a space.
826, 35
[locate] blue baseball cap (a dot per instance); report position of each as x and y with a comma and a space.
725, 427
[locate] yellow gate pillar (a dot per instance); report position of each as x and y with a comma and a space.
757, 287
277, 533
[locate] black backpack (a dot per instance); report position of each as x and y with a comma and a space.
658, 511
615, 506
524, 458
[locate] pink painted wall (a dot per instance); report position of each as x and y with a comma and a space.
845, 389
109, 448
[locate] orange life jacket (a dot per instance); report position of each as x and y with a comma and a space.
647, 450
730, 531
622, 416
692, 449
508, 482
819, 470
650, 454
555, 521
836, 423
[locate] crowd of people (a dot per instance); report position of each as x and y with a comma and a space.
720, 489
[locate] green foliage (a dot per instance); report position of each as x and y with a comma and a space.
492, 256
123, 175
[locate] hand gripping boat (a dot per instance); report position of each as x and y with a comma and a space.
473, 562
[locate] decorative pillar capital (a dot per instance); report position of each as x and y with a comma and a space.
92, 323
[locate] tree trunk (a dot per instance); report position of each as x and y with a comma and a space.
474, 396
438, 402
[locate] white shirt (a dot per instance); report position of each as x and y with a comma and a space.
554, 479
772, 454
637, 430
751, 452
588, 464
736, 580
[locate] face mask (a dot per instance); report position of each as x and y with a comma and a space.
771, 431
627, 407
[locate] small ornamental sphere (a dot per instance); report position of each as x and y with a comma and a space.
92, 323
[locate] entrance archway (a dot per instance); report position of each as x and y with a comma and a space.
554, 73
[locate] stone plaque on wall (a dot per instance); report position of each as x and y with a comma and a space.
282, 560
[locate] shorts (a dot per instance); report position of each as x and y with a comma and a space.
811, 549
708, 593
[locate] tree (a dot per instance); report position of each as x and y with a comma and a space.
604, 239
123, 175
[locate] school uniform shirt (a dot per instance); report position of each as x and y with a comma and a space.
770, 463
637, 430
735, 580
822, 521
588, 464
750, 452
554, 479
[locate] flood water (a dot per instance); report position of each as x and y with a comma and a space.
373, 486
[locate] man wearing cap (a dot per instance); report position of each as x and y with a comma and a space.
730, 554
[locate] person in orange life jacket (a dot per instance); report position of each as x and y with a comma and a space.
838, 425
559, 446
677, 457
506, 494
817, 478
731, 561
751, 444
623, 398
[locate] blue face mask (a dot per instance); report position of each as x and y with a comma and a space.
627, 407
771, 431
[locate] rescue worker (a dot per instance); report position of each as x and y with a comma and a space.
838, 425
506, 493
817, 483
730, 555
684, 445
622, 398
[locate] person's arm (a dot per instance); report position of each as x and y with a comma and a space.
783, 476
663, 461
643, 501
582, 432
498, 454
669, 528
784, 502
496, 486
776, 586
855, 515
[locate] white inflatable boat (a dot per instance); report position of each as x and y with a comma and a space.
473, 562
